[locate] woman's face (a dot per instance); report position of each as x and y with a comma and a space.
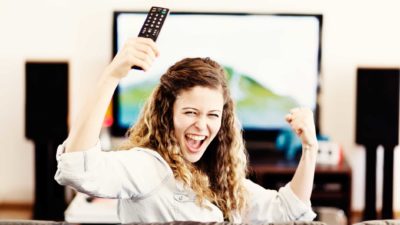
197, 117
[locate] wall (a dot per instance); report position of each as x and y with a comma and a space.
356, 33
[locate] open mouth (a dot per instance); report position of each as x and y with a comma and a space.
194, 142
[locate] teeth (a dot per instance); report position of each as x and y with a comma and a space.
196, 137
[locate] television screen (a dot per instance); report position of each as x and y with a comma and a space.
272, 62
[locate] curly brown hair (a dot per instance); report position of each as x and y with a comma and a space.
218, 176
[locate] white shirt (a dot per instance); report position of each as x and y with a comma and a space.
147, 191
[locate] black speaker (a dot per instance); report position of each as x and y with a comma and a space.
377, 123
377, 117
46, 114
46, 108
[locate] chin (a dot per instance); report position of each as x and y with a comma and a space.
193, 158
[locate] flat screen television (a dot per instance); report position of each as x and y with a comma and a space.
272, 61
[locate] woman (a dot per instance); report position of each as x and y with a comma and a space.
184, 158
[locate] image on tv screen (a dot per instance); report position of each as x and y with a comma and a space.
272, 61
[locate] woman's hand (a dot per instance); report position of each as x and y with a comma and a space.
301, 120
137, 51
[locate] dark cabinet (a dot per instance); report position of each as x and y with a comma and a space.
332, 183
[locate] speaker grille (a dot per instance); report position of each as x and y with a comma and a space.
377, 116
46, 108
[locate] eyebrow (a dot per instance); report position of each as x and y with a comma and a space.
214, 110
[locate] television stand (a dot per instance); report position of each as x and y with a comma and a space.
332, 183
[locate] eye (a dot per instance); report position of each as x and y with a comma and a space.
190, 113
214, 115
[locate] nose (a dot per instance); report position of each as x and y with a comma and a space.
201, 123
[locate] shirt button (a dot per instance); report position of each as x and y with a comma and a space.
180, 197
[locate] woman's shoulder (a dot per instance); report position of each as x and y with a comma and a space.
145, 154
145, 151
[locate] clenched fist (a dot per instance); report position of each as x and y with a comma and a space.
137, 51
301, 120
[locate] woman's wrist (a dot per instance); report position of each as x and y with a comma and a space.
310, 150
108, 78
310, 146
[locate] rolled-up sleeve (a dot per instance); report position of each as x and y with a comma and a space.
115, 174
275, 206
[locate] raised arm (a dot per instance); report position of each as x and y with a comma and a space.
302, 122
86, 128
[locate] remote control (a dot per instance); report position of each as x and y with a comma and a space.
153, 23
